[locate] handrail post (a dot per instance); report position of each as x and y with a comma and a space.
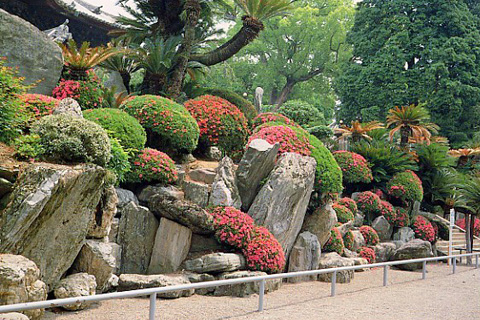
476, 261
424, 270
334, 283
153, 302
261, 295
385, 275
454, 265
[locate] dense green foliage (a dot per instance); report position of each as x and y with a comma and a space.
370, 235
35, 106
354, 167
119, 161
302, 113
151, 165
322, 132
335, 242
349, 203
348, 240
406, 186
344, 214
88, 92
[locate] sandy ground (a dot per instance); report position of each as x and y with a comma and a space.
441, 296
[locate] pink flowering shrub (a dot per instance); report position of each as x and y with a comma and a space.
368, 254
344, 214
368, 202
232, 226
349, 203
354, 167
388, 211
370, 235
476, 226
151, 165
335, 242
278, 118
406, 186
402, 218
264, 252
88, 93
423, 229
35, 106
289, 140
348, 240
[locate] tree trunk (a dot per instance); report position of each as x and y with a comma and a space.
286, 90
126, 80
154, 83
273, 95
404, 136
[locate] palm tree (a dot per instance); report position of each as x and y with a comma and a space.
358, 131
410, 121
122, 63
464, 155
469, 191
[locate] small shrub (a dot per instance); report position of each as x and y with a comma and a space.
301, 112
28, 147
335, 242
88, 93
119, 161
367, 253
322, 132
267, 117
354, 167
423, 229
387, 210
476, 226
344, 214
169, 125
264, 252
348, 240
287, 137
402, 218
36, 106
232, 226
368, 202
151, 165
370, 235
406, 186
72, 139
349, 203
119, 125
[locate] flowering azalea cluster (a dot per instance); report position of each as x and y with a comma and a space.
388, 211
406, 186
476, 226
88, 93
264, 252
349, 203
423, 229
151, 165
232, 226
370, 235
221, 123
344, 214
266, 117
335, 242
355, 167
367, 253
288, 139
402, 219
38, 105
348, 240
368, 202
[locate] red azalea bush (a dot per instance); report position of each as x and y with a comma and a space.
221, 123
289, 140
476, 226
344, 214
423, 229
355, 167
406, 186
232, 226
367, 253
335, 242
402, 218
388, 211
368, 202
35, 106
370, 235
348, 240
349, 203
266, 117
151, 165
264, 252
88, 93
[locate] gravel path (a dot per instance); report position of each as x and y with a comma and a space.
441, 296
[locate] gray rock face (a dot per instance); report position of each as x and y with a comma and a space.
203, 175
405, 234
213, 153
5, 187
102, 218
49, 215
112, 235
202, 243
282, 202
256, 164
115, 80
344, 228
383, 228
334, 260
26, 47
384, 251
358, 240
245, 289
13, 316
216, 263
412, 250
358, 220
129, 282
224, 187
172, 243
304, 256
20, 282
76, 285
136, 236
201, 277
321, 222
124, 197
69, 106
196, 192
169, 192
98, 259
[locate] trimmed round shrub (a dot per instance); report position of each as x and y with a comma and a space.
287, 137
119, 162
232, 226
406, 186
88, 93
335, 242
354, 167
267, 117
349, 203
476, 226
36, 106
301, 112
344, 214
423, 229
322, 132
168, 124
367, 253
119, 125
221, 123
264, 252
402, 218
348, 240
388, 211
368, 202
370, 235
151, 165
70, 139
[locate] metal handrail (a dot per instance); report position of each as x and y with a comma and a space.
456, 227
152, 292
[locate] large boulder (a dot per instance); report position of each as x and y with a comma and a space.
102, 218
320, 222
216, 263
224, 187
414, 249
49, 215
304, 256
358, 240
136, 236
196, 192
404, 234
172, 244
124, 197
20, 282
169, 192
282, 202
13, 316
129, 282
383, 227
69, 106
334, 260
245, 289
76, 285
114, 81
29, 49
256, 164
384, 251
204, 175
201, 243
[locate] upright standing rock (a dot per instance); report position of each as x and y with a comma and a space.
281, 204
102, 218
224, 187
320, 222
383, 227
304, 256
414, 249
256, 164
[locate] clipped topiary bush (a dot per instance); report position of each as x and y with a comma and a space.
406, 186
348, 240
354, 167
264, 252
368, 202
232, 226
335, 242
119, 125
119, 162
423, 229
367, 253
66, 138
349, 203
267, 117
221, 123
301, 112
88, 93
322, 132
402, 218
476, 226
36, 106
168, 124
287, 137
370, 235
344, 214
388, 211
151, 165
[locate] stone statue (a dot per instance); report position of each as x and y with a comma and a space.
258, 98
60, 33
